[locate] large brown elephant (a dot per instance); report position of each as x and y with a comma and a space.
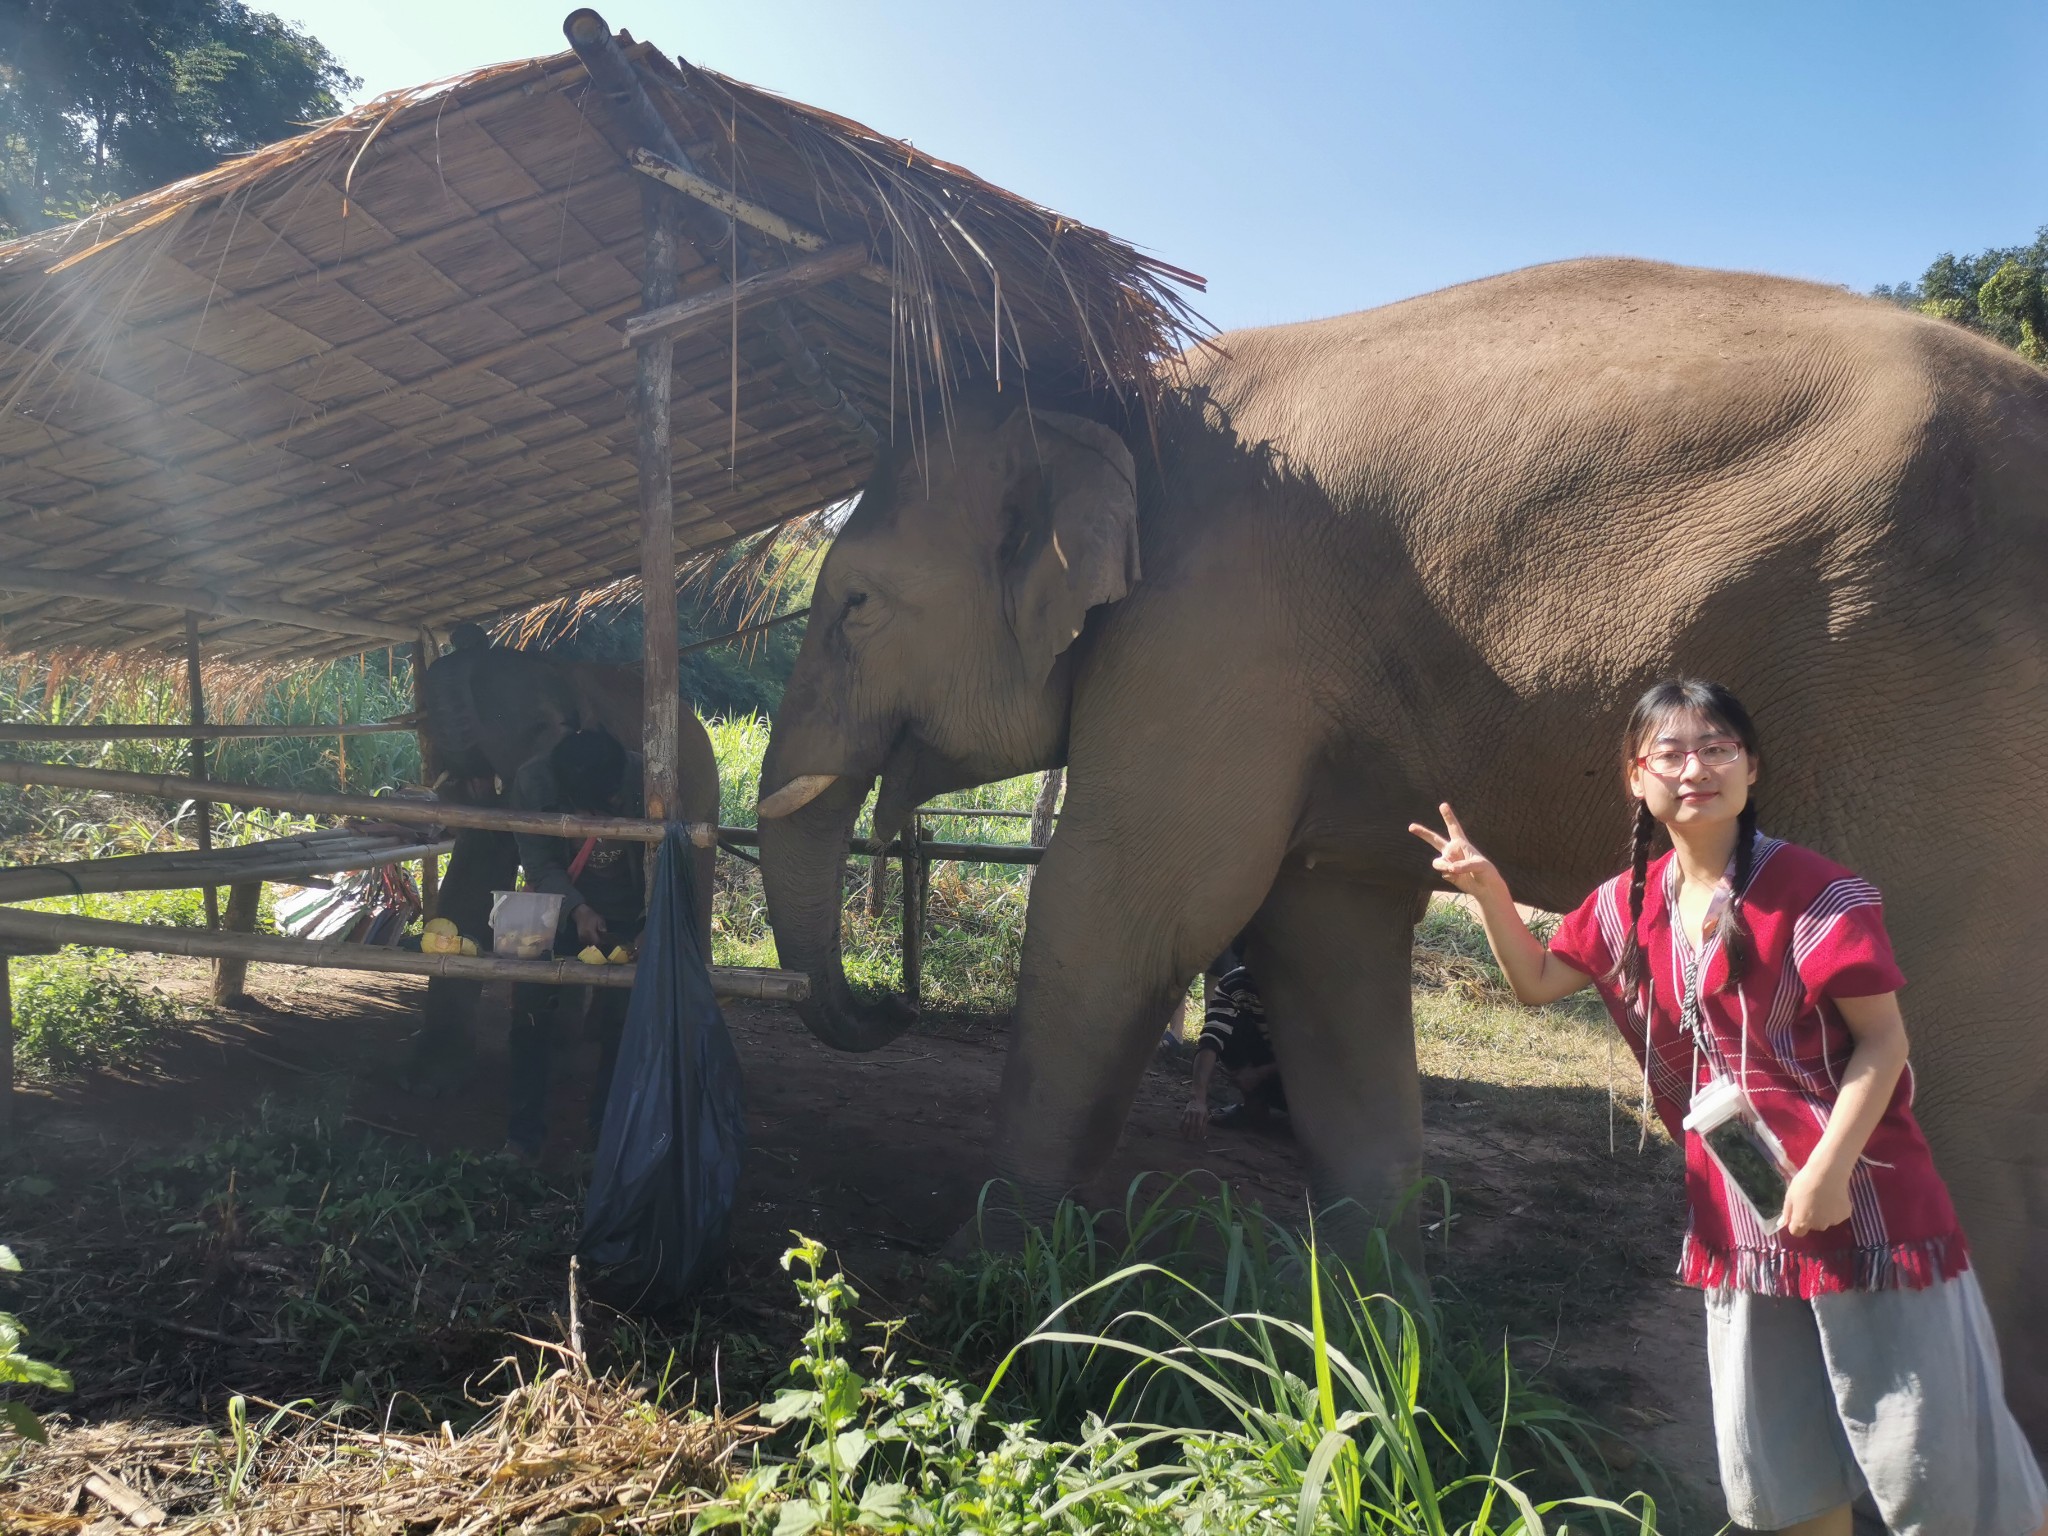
488, 710
1352, 567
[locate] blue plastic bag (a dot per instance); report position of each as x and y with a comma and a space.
668, 1158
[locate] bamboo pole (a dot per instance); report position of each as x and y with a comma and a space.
6, 1047
393, 808
330, 954
709, 193
944, 853
742, 632
56, 734
115, 589
195, 706
673, 321
161, 872
661, 718
913, 914
424, 654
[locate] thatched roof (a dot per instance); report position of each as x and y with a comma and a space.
378, 370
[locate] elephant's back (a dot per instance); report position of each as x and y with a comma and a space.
1590, 403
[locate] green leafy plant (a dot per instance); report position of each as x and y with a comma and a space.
18, 1370
83, 1008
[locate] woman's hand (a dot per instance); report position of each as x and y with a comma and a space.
1457, 860
1816, 1199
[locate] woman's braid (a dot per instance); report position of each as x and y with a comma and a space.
1734, 931
1633, 968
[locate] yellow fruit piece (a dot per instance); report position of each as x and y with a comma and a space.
620, 956
440, 925
591, 955
433, 943
469, 947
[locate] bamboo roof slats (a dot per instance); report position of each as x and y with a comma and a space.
377, 377
18, 926
287, 859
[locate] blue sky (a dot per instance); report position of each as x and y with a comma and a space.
1312, 158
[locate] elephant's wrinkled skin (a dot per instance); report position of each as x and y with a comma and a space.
487, 712
1431, 551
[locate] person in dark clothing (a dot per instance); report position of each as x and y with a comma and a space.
1234, 1036
603, 887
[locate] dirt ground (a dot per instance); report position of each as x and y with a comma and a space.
881, 1156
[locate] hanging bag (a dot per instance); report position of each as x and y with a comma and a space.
668, 1158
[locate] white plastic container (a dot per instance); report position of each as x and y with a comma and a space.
523, 923
1753, 1164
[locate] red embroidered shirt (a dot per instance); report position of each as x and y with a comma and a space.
1817, 933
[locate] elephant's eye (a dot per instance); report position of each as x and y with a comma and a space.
855, 599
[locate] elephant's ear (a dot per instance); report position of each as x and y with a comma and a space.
1070, 536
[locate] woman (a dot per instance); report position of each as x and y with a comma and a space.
1848, 1344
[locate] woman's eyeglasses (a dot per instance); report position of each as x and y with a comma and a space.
1667, 762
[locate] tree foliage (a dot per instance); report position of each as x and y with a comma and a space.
2002, 293
101, 99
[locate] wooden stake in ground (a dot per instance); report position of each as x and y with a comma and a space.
913, 913
6, 1046
231, 975
195, 699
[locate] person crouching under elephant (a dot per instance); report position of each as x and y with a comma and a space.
1234, 1037
603, 888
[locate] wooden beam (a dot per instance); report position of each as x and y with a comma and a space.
737, 634
393, 808
706, 311
751, 214
944, 853
661, 720
425, 652
6, 1047
119, 589
330, 954
195, 700
82, 733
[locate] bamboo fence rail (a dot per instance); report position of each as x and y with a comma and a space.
393, 808
287, 860
41, 928
57, 735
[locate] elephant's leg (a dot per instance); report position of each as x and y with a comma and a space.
1331, 960
1118, 924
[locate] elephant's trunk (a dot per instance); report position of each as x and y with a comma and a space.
803, 861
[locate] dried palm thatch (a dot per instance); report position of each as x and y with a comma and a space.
377, 371
562, 1455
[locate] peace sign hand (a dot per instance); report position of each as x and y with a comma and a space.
1461, 864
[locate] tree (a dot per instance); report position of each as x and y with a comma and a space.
101, 99
2002, 293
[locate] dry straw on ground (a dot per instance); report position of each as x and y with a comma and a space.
562, 1455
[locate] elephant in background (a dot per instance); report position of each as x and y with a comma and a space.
487, 711
1434, 551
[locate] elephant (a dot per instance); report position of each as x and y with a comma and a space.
1326, 575
486, 711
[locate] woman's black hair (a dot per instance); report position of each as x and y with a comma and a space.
1716, 705
590, 766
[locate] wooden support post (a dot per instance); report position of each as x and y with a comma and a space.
661, 722
195, 699
231, 975
913, 913
6, 1047
424, 653
1042, 809
878, 883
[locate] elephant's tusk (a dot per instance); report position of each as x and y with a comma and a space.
795, 795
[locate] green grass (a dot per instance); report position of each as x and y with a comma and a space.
1287, 1393
83, 1008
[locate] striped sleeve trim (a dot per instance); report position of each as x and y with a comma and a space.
1818, 920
